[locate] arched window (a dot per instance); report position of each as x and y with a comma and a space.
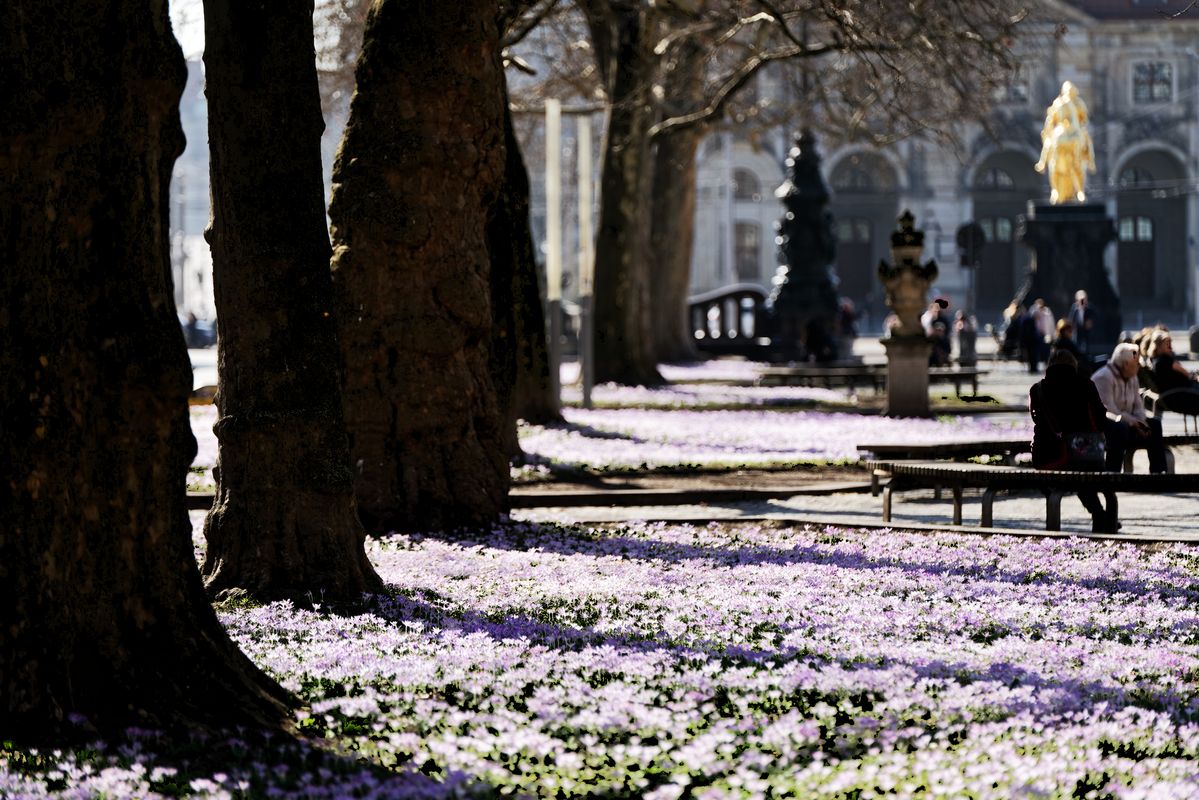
853, 179
996, 229
863, 172
1135, 176
747, 250
1136, 229
746, 186
1152, 82
854, 229
994, 178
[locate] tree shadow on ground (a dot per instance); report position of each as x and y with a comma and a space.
236, 763
1049, 695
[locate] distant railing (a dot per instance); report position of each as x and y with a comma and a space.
729, 319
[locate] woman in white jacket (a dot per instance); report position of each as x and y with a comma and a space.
1128, 424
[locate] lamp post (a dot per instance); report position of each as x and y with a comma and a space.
586, 257
553, 240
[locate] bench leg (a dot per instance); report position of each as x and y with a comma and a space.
887, 492
988, 503
1053, 511
1111, 513
957, 505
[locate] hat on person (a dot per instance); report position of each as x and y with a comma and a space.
1080, 295
941, 301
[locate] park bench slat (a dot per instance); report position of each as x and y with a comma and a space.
855, 375
957, 476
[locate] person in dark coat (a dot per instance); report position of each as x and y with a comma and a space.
1082, 316
1031, 341
1065, 341
1062, 403
1168, 371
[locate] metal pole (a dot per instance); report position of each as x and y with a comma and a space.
586, 258
729, 273
553, 240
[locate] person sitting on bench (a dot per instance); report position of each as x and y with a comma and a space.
1168, 371
1062, 404
1127, 423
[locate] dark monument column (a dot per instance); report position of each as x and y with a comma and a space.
804, 301
1068, 241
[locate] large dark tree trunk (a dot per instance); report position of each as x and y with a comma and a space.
520, 360
671, 238
672, 215
419, 168
624, 350
102, 612
533, 398
284, 521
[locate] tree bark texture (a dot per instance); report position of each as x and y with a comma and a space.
671, 238
532, 396
519, 326
284, 522
102, 612
672, 215
624, 350
419, 170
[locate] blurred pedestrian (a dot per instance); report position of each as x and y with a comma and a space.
1082, 316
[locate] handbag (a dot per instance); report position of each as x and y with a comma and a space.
1086, 451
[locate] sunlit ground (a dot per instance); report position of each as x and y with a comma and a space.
731, 660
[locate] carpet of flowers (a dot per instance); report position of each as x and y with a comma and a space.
666, 661
631, 438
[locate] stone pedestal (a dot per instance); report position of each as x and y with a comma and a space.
907, 375
1068, 241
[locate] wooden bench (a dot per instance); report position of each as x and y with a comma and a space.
1054, 484
854, 375
1005, 449
830, 376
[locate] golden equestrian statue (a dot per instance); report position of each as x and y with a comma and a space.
1066, 148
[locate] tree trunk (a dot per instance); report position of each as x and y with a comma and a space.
672, 214
102, 612
623, 335
520, 364
671, 237
420, 167
283, 523
532, 396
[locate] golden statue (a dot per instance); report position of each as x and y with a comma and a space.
1066, 148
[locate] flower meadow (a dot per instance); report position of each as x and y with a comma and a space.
673, 438
640, 438
616, 439
745, 661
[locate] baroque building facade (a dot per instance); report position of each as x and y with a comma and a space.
1136, 64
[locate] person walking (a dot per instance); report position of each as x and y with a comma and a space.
1082, 317
1128, 425
1045, 328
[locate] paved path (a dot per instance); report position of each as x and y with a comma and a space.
1144, 517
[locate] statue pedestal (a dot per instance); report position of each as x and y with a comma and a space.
907, 376
1068, 241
